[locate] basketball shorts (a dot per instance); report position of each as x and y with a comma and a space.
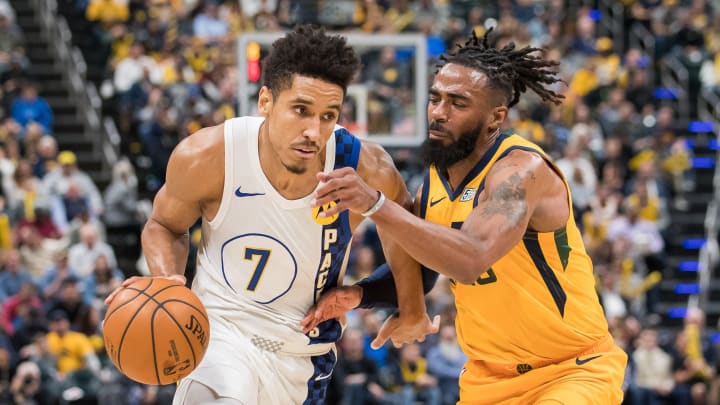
249, 370
593, 377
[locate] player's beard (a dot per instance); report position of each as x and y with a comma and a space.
433, 151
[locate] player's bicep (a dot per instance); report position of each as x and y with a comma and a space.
174, 213
507, 202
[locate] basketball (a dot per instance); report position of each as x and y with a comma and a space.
156, 331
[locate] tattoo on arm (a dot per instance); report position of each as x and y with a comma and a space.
508, 199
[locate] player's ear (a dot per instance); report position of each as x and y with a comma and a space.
265, 100
497, 117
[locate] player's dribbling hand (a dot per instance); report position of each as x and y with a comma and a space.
179, 278
344, 187
403, 330
333, 304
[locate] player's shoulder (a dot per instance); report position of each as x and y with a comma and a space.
200, 156
204, 141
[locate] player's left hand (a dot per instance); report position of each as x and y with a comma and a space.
347, 189
333, 304
403, 330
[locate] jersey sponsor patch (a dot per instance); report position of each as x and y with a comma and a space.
327, 220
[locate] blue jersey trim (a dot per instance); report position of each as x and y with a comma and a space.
322, 374
424, 195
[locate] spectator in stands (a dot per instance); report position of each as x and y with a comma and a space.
390, 84
72, 233
55, 276
121, 197
82, 317
411, 380
25, 386
13, 275
73, 349
57, 182
101, 282
653, 371
7, 10
445, 362
37, 252
11, 42
30, 107
208, 26
580, 175
22, 192
16, 308
81, 256
46, 158
356, 378
107, 12
131, 70
6, 236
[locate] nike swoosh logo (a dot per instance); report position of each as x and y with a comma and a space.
580, 362
323, 377
434, 202
241, 194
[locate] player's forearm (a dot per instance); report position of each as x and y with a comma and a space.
408, 280
445, 250
166, 252
379, 291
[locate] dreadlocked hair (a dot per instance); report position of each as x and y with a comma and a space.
509, 70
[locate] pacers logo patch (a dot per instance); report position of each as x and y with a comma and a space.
324, 221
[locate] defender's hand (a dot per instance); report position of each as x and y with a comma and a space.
347, 189
333, 304
179, 278
405, 330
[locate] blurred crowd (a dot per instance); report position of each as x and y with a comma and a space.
166, 68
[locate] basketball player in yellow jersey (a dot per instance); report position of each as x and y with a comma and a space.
494, 214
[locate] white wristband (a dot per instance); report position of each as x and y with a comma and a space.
377, 206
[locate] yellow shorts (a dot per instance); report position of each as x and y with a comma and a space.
594, 377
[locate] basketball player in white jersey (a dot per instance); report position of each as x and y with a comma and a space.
266, 255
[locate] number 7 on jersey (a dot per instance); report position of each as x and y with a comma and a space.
264, 255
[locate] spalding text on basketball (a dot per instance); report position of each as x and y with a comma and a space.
196, 328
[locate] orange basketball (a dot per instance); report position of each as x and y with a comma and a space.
156, 331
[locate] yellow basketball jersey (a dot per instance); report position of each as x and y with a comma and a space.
537, 303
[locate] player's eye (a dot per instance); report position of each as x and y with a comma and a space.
301, 110
328, 117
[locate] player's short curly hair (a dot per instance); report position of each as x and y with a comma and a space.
309, 51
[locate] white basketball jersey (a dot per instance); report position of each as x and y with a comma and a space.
264, 260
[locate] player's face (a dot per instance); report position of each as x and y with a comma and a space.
300, 120
460, 111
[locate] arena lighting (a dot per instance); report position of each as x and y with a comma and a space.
665, 93
247, 89
689, 288
689, 266
700, 126
677, 312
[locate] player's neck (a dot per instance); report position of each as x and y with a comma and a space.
456, 173
289, 184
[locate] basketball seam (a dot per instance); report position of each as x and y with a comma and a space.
130, 321
170, 315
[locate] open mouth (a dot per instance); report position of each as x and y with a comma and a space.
305, 153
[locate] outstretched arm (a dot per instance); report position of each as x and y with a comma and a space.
194, 178
514, 189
